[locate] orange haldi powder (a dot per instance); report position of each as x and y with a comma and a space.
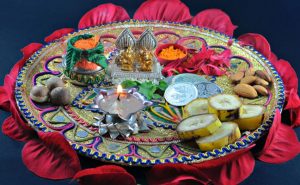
86, 65
86, 44
171, 53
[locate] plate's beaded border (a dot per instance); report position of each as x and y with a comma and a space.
244, 142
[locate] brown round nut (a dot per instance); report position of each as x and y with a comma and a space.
54, 82
248, 80
261, 90
245, 90
60, 96
263, 75
250, 72
261, 82
39, 93
237, 76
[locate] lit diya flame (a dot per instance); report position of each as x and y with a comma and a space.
119, 89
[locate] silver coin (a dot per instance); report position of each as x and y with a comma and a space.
188, 78
179, 94
207, 89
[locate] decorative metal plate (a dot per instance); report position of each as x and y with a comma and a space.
161, 144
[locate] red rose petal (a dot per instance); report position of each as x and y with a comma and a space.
167, 10
107, 174
103, 14
282, 143
175, 174
259, 42
214, 19
58, 34
50, 156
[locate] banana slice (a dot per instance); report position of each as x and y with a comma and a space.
225, 106
195, 107
228, 133
251, 116
198, 126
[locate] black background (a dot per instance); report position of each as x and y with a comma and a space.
25, 21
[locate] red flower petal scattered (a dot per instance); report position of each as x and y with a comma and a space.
50, 156
282, 143
103, 14
108, 174
214, 19
167, 10
259, 42
176, 174
58, 34
206, 61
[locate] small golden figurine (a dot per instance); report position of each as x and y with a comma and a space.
126, 59
146, 60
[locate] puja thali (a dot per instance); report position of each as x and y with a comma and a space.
158, 142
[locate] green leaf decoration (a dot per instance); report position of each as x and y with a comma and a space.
162, 85
148, 89
129, 83
157, 96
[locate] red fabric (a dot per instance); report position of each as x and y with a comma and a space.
282, 143
167, 10
14, 126
288, 75
214, 19
103, 14
233, 172
176, 174
290, 80
15, 130
58, 34
107, 174
259, 42
230, 169
50, 156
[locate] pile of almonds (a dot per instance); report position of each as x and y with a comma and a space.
251, 82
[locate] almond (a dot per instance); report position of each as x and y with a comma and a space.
250, 72
248, 79
263, 75
245, 90
261, 90
262, 82
237, 76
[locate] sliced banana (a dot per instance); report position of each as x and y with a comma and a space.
251, 116
225, 106
198, 126
228, 133
195, 107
